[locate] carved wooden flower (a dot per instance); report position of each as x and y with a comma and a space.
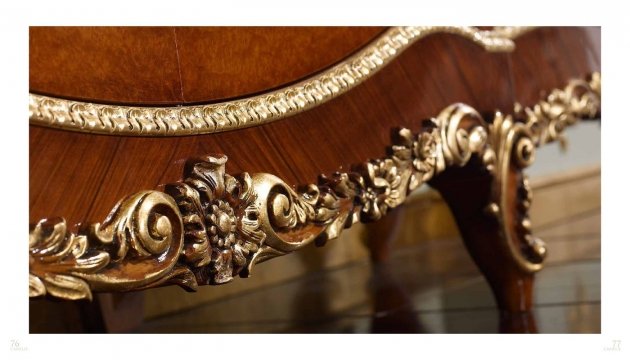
383, 190
420, 150
222, 224
425, 151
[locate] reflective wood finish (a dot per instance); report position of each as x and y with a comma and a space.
430, 279
292, 148
433, 73
178, 65
466, 191
428, 286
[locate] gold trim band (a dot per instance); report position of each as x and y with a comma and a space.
212, 226
256, 110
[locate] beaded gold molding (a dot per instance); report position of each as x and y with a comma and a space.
212, 226
256, 110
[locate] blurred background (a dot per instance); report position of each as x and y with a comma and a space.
428, 284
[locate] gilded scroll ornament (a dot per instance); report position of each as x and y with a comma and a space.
256, 110
212, 226
514, 139
138, 243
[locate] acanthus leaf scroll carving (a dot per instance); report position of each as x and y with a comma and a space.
211, 226
514, 140
118, 255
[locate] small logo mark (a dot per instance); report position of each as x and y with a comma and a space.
16, 346
616, 346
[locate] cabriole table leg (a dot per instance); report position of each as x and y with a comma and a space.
469, 194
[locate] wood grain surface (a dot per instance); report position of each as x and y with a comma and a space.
179, 65
82, 176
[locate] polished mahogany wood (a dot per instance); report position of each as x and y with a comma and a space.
106, 313
433, 73
219, 63
467, 190
391, 304
545, 58
106, 64
177, 65
380, 235
81, 176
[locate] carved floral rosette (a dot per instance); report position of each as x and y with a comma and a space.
212, 226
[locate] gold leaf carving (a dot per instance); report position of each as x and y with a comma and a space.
514, 139
213, 226
67, 287
115, 256
221, 222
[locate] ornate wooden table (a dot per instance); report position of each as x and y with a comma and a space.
269, 139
